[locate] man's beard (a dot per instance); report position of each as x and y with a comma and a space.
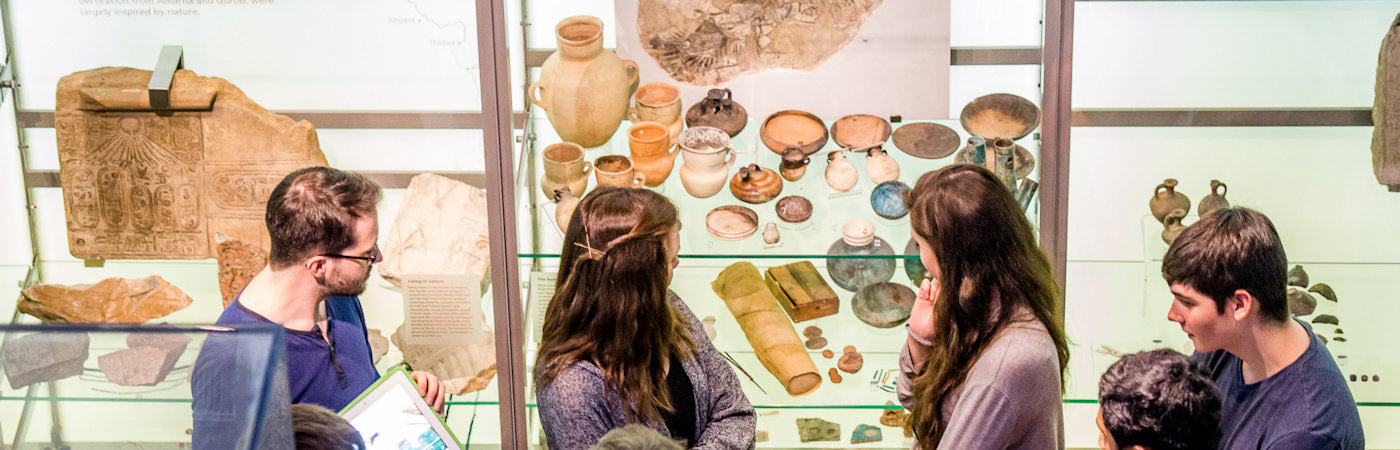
349, 284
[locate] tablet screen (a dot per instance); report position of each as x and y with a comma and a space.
393, 416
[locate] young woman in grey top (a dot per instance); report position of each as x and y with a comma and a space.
618, 347
984, 362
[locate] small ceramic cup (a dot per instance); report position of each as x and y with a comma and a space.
564, 167
650, 144
658, 102
617, 171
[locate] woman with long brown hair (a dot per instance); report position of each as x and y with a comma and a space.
985, 351
619, 347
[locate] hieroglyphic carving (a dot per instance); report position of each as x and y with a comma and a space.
709, 42
138, 184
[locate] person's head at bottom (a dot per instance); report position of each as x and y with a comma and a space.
1157, 400
318, 428
636, 437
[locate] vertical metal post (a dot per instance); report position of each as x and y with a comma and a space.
493, 49
1054, 131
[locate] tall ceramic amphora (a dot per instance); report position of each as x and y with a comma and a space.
707, 159
583, 89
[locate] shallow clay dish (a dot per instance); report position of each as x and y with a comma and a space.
1000, 116
860, 130
794, 209
888, 199
731, 222
792, 128
883, 305
1025, 162
926, 140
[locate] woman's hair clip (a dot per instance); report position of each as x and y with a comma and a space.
591, 253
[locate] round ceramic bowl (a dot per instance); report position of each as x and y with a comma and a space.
793, 128
888, 199
794, 209
926, 140
1000, 116
860, 130
731, 222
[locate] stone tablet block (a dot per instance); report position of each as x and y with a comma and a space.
141, 366
113, 300
239, 262
146, 184
1385, 114
813, 430
441, 229
44, 357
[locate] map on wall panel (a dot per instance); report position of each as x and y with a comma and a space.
142, 185
863, 56
301, 55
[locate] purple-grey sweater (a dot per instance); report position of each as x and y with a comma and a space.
577, 408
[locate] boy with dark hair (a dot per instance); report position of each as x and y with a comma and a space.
1280, 387
1158, 400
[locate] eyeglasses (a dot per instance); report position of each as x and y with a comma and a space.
374, 256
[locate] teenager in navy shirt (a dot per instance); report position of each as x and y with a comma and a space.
1279, 386
323, 225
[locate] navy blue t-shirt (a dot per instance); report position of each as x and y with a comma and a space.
329, 375
1307, 405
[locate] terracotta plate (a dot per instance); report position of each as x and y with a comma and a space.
926, 140
731, 222
1000, 116
883, 305
792, 128
794, 209
860, 130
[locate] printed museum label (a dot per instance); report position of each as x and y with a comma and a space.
441, 309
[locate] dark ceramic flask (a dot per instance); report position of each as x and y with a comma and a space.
794, 164
718, 109
852, 273
1215, 201
1165, 199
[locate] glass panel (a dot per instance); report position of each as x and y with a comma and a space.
390, 91
88, 373
862, 396
1267, 60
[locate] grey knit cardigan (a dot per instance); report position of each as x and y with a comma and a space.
577, 408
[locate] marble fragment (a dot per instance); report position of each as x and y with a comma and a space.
378, 344
239, 262
462, 368
440, 229
44, 357
141, 366
113, 300
865, 434
815, 430
142, 184
1385, 112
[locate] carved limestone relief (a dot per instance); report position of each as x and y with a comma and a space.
138, 184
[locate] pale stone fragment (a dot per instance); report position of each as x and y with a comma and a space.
814, 429
462, 369
378, 344
140, 366
113, 300
709, 42
44, 357
146, 184
441, 229
239, 262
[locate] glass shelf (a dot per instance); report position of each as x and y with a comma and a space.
809, 239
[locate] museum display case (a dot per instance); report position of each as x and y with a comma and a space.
805, 186
148, 138
1266, 105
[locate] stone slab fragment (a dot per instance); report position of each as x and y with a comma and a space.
441, 229
239, 262
463, 369
141, 366
816, 430
113, 300
142, 184
43, 357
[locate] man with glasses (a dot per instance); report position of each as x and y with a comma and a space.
323, 225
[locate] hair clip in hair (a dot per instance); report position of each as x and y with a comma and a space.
592, 253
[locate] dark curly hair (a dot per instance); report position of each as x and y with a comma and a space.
1160, 400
